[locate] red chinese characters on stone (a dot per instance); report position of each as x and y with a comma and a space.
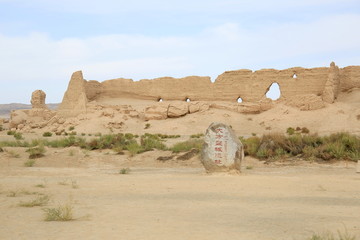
218, 161
219, 145
219, 130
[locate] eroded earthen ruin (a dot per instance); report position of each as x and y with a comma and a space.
161, 98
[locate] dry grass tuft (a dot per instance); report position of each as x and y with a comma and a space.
37, 202
331, 236
60, 213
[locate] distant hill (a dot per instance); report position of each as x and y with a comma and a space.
5, 109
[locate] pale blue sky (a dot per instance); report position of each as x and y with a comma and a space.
43, 41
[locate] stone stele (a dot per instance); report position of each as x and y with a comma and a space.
222, 150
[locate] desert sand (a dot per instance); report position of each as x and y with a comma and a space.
175, 199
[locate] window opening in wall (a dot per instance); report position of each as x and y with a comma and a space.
160, 100
294, 76
239, 100
273, 91
188, 100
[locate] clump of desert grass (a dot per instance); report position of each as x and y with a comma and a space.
124, 171
36, 202
21, 192
43, 184
330, 236
187, 145
63, 212
338, 146
199, 135
12, 153
74, 184
47, 134
36, 152
29, 163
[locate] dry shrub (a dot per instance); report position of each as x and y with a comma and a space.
60, 213
336, 146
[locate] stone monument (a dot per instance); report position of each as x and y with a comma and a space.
222, 150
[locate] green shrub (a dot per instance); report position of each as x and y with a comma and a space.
290, 131
149, 142
18, 136
109, 141
187, 145
336, 146
164, 136
66, 142
1, 127
124, 171
310, 152
14, 144
336, 149
134, 148
147, 126
294, 144
10, 132
129, 136
47, 134
264, 153
29, 163
305, 130
118, 149
251, 145
197, 135
36, 152
280, 152
71, 128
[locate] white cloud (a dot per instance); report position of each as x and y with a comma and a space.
38, 61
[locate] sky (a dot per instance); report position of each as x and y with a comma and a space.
42, 42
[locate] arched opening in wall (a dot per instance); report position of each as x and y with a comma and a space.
294, 75
239, 100
273, 91
187, 100
160, 100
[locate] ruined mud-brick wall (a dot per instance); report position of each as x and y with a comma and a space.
229, 86
349, 78
324, 82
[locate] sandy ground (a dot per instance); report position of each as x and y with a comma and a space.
175, 199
